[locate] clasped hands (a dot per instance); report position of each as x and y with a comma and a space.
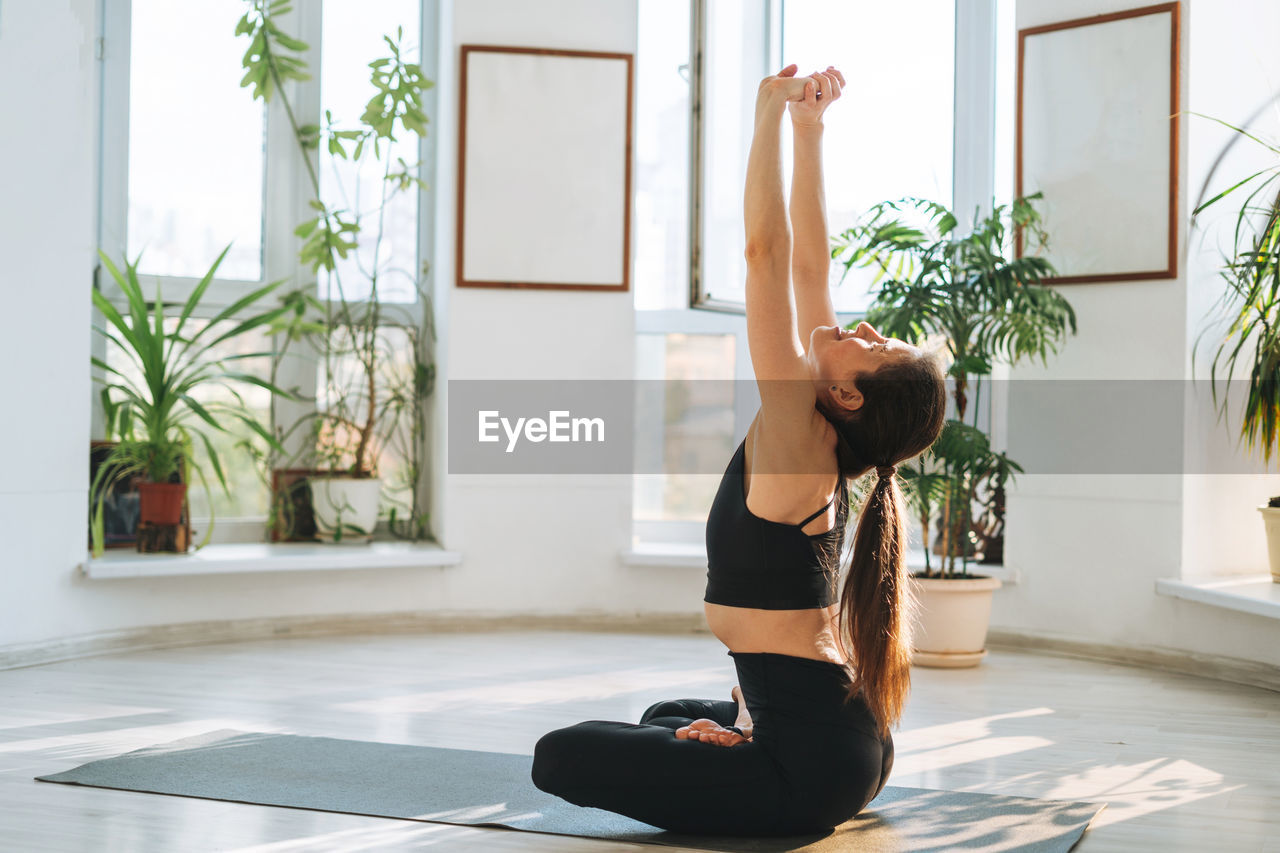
709, 731
806, 98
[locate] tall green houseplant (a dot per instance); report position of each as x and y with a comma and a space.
934, 281
1249, 306
372, 392
151, 400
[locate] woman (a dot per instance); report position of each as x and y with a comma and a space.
805, 743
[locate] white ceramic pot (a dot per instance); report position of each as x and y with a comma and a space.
349, 503
951, 622
1271, 520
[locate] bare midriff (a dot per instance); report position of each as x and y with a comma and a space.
809, 633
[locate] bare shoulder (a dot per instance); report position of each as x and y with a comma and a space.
788, 473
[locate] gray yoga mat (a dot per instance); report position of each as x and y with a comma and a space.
459, 786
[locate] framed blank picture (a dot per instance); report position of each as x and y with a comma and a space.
544, 178
1097, 133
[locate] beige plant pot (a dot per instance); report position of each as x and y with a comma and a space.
1271, 520
951, 621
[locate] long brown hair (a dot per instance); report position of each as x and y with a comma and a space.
903, 410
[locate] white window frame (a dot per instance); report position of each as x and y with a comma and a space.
286, 194
973, 185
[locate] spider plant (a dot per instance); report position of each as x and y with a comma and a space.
155, 393
964, 288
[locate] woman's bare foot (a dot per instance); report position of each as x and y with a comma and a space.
709, 731
744, 717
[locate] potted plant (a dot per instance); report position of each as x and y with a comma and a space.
367, 391
151, 401
1250, 312
983, 305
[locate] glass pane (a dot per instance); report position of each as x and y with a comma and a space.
891, 133
248, 496
889, 137
388, 245
735, 62
693, 429
662, 156
1006, 78
195, 142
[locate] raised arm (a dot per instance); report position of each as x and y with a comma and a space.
777, 354
811, 255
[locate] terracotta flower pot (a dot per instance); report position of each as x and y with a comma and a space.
161, 503
952, 620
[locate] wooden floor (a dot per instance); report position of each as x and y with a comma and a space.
1184, 763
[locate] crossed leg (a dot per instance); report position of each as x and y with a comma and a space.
677, 713
645, 772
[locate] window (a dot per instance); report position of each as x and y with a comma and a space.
191, 162
920, 99
891, 135
686, 426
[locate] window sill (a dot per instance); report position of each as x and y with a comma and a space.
650, 554
1256, 594
263, 557
694, 556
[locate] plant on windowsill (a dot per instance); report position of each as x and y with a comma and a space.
1249, 308
372, 387
151, 400
964, 288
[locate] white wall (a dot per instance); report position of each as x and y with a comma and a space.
47, 223
1090, 547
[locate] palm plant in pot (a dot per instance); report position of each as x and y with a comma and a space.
151, 399
964, 291
1249, 315
376, 372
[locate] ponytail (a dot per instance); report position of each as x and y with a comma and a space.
876, 606
902, 414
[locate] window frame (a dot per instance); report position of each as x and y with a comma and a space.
285, 203
973, 187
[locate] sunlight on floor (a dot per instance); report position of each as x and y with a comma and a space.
1130, 790
1143, 788
948, 734
90, 746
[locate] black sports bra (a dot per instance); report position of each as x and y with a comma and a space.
769, 565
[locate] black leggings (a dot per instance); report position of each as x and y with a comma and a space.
812, 764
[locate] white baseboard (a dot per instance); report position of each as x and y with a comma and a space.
1235, 670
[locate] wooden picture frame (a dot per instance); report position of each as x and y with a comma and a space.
544, 168
1097, 132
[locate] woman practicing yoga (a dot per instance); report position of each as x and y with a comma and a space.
805, 743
